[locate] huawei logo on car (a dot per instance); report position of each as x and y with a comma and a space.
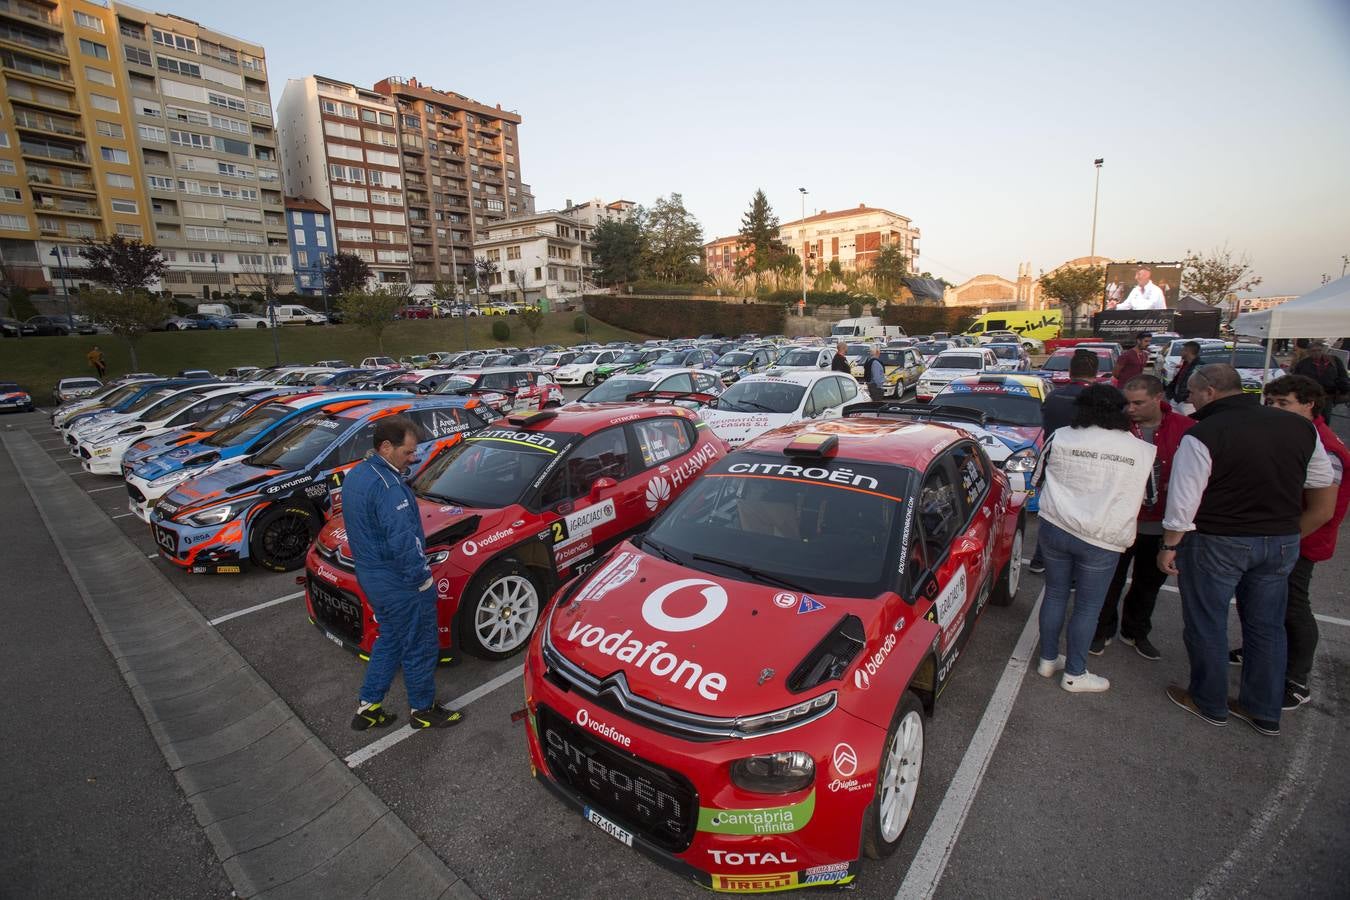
658, 492
845, 760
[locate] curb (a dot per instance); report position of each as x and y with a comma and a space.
285, 816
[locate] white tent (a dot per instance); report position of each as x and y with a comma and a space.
1325, 313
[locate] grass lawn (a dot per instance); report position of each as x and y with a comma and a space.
38, 363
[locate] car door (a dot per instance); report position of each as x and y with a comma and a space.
848, 393
593, 497
824, 399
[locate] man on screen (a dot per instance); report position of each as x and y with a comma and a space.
1145, 294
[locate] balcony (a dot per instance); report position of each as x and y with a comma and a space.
31, 12
421, 238
36, 68
62, 206
47, 124
30, 41
48, 150
59, 179
411, 164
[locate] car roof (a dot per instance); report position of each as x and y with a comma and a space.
1069, 351
872, 439
798, 376
587, 418
958, 351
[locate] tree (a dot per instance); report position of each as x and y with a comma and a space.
532, 319
1218, 274
129, 315
759, 235
1074, 288
888, 270
373, 310
619, 249
444, 292
484, 273
125, 265
345, 273
674, 242
17, 304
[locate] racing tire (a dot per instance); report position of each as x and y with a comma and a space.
171, 327
261, 325
588, 379
500, 610
898, 773
1008, 580
281, 537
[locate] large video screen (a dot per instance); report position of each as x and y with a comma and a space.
1120, 280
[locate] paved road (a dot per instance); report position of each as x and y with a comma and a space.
1118, 794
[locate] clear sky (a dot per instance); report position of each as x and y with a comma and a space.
1220, 122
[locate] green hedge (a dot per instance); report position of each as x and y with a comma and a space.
686, 318
917, 319
665, 287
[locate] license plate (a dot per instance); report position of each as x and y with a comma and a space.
334, 638
166, 539
609, 827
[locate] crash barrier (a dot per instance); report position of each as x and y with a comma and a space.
280, 809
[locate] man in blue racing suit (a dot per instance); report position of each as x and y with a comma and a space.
384, 533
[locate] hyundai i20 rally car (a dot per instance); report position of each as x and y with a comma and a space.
147, 409
1008, 421
741, 692
515, 510
268, 507
199, 450
232, 410
14, 397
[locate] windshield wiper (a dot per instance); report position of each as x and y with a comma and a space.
757, 574
759, 406
659, 549
448, 501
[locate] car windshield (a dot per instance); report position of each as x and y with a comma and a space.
455, 385
735, 358
629, 358
827, 526
799, 358
301, 445
243, 430
116, 395
150, 399
1008, 409
1006, 351
673, 358
293, 378
930, 349
959, 361
892, 357
9, 386
491, 469
81, 383
550, 359
1243, 358
504, 359
172, 406
616, 390
769, 395
858, 350
585, 359
224, 415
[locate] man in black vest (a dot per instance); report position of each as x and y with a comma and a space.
1246, 482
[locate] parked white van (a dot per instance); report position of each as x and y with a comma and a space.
864, 328
294, 314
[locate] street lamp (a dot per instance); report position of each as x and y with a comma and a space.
1092, 246
65, 289
803, 246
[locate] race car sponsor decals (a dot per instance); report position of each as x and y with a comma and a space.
443, 588
714, 604
654, 657
809, 605
326, 573
883, 481
953, 597
618, 572
487, 541
833, 873
444, 424
871, 665
327, 423
765, 820
785, 600
904, 535
754, 884
851, 785
749, 858
578, 548
947, 665
845, 759
469, 547
658, 492
604, 729
287, 484
527, 440
583, 521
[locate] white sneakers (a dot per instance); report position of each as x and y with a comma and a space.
1087, 683
1047, 668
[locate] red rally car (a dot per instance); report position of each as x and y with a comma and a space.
515, 511
741, 692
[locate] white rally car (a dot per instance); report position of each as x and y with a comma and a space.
759, 403
101, 452
950, 365
582, 369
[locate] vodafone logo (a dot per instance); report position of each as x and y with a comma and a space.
469, 548
785, 600
861, 680
714, 603
845, 760
583, 718
658, 492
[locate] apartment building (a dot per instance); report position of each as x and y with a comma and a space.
593, 212
312, 240
853, 237
69, 168
720, 255
340, 146
543, 256
461, 162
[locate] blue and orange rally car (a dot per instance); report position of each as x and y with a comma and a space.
268, 507
1003, 412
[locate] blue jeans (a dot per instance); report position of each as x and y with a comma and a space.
408, 639
1071, 563
1256, 570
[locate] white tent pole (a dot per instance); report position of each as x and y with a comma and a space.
1270, 342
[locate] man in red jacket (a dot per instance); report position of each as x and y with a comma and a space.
1304, 396
1152, 420
1133, 361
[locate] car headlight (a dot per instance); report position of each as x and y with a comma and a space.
437, 557
216, 515
776, 720
1021, 461
775, 773
173, 477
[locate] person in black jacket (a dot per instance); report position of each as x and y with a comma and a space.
1325, 369
840, 362
1178, 389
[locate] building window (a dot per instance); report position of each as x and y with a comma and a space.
110, 129
90, 48
169, 255
130, 231
321, 238
14, 223
137, 55
107, 104
117, 180
538, 273
84, 20
152, 133
169, 39
113, 155
301, 258
280, 261
178, 66
250, 259
7, 167
513, 252
10, 195
298, 238
125, 206
387, 119
196, 256
98, 76
131, 29
159, 182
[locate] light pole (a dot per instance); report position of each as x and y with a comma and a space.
65, 289
1345, 261
1092, 247
803, 249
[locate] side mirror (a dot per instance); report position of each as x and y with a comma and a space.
599, 486
823, 364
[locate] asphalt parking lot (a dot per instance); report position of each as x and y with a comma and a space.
1026, 790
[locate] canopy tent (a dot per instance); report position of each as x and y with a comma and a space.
1324, 313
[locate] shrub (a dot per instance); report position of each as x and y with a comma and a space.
854, 309
501, 331
648, 286
20, 303
579, 325
681, 318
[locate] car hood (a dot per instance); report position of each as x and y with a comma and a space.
186, 456
1001, 441
738, 427
223, 484
443, 524
934, 372
693, 641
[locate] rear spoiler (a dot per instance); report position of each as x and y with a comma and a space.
922, 411
698, 397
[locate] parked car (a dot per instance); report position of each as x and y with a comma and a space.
414, 311
68, 389
952, 364
1012, 357
506, 390
778, 397
1250, 362
14, 398
212, 322
736, 364
248, 320
581, 370
619, 388
295, 314
809, 358
380, 362
177, 323
552, 361
334, 364
15, 328
904, 366
48, 326
242, 372
1056, 367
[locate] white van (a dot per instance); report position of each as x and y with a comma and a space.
215, 309
865, 328
294, 314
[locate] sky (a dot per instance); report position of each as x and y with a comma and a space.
1221, 123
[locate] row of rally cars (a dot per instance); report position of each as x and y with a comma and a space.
730, 656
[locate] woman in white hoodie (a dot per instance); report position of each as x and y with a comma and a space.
1095, 474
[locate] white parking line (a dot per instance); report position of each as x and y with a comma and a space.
123, 515
152, 556
111, 487
374, 749
252, 609
925, 871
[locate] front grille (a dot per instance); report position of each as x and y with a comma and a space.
646, 799
135, 493
336, 556
336, 610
